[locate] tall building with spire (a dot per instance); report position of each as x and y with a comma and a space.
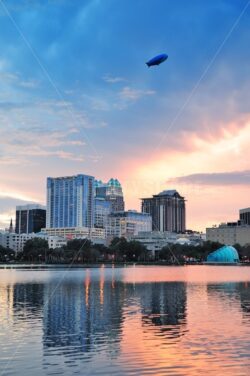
111, 192
11, 229
168, 211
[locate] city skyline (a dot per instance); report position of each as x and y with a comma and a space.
77, 97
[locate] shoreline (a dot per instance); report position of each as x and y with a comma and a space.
29, 266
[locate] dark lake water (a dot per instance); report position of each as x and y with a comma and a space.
189, 321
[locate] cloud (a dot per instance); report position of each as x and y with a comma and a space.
31, 84
11, 160
112, 79
14, 78
99, 104
43, 129
7, 208
8, 76
4, 105
215, 178
132, 94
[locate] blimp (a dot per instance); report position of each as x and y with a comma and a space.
157, 60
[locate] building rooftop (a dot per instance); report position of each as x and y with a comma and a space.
111, 183
238, 224
30, 207
245, 210
70, 177
166, 193
129, 213
114, 183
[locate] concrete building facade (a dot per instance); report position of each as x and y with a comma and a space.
167, 210
96, 235
16, 242
154, 241
229, 234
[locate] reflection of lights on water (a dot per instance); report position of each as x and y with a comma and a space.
6, 299
113, 277
87, 284
102, 280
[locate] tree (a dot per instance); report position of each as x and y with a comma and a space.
127, 250
119, 247
177, 253
6, 254
173, 253
77, 250
103, 251
35, 249
135, 251
244, 251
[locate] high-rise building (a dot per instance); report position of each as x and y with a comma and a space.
102, 211
70, 201
167, 210
30, 218
111, 192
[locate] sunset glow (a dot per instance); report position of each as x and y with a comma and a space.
74, 104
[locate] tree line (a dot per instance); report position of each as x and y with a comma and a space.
119, 250
77, 251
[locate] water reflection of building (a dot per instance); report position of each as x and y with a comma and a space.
28, 299
244, 293
164, 308
238, 291
6, 299
83, 317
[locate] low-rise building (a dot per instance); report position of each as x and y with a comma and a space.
16, 242
154, 241
96, 235
229, 233
127, 224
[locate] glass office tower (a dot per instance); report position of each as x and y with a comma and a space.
30, 218
70, 201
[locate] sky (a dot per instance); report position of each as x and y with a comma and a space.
77, 97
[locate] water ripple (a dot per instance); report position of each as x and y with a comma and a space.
133, 321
